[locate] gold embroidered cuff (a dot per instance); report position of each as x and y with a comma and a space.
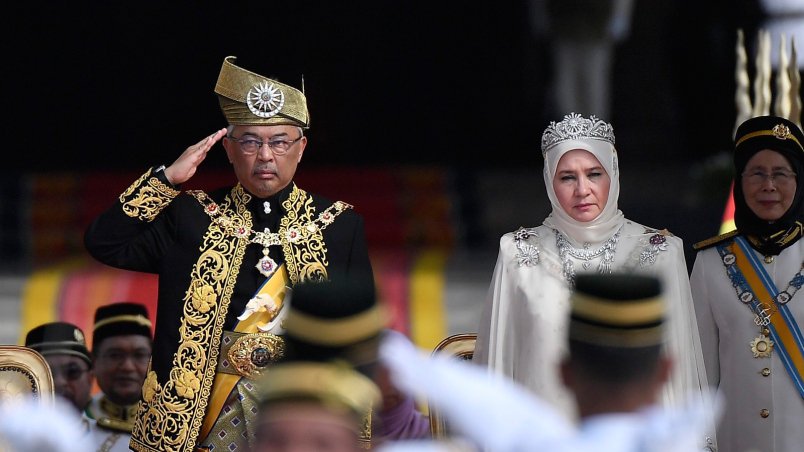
146, 197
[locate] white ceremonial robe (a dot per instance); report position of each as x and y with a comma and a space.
523, 328
727, 328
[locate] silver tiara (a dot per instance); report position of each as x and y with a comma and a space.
576, 127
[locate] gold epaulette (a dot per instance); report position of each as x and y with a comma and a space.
714, 240
666, 233
115, 424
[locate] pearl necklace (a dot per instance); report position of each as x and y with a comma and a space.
566, 250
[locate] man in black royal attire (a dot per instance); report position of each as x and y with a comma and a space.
225, 260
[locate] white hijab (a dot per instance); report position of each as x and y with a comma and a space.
610, 219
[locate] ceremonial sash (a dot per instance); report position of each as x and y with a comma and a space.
223, 384
756, 288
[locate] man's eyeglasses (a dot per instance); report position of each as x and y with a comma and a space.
117, 358
70, 372
777, 178
250, 145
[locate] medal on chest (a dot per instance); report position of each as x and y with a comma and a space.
762, 345
266, 265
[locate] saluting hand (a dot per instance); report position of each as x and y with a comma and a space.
185, 166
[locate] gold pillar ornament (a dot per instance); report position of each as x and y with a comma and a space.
795, 85
781, 105
787, 101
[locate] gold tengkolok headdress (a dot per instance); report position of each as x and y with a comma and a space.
247, 98
576, 127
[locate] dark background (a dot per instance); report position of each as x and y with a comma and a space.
460, 85
463, 83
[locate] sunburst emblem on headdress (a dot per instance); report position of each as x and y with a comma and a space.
265, 100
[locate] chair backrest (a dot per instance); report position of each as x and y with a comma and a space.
24, 373
461, 346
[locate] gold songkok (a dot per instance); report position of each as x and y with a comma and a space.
617, 310
247, 98
334, 385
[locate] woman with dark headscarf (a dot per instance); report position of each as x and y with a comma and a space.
745, 285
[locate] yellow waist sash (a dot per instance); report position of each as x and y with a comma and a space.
275, 287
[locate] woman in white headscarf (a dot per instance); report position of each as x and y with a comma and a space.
522, 333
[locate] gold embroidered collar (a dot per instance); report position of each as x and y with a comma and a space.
223, 218
295, 234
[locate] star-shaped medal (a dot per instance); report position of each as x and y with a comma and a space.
762, 346
266, 266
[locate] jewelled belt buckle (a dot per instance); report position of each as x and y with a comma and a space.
251, 353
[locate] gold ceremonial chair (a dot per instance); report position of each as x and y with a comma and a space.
24, 373
461, 346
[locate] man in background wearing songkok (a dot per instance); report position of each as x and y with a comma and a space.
224, 260
121, 348
65, 350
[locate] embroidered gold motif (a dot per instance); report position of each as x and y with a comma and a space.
203, 296
305, 260
171, 415
150, 387
187, 384
144, 200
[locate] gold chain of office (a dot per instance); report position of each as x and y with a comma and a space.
266, 239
